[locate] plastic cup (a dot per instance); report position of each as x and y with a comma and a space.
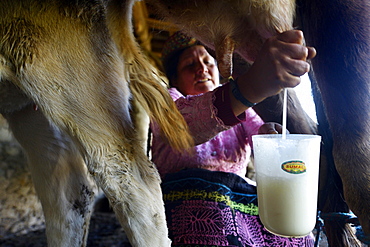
287, 182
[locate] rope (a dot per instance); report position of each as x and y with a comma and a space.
361, 236
346, 218
319, 227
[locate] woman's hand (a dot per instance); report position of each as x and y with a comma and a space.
280, 63
271, 128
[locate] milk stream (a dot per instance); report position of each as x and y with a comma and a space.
284, 120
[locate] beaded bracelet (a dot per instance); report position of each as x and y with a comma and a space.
238, 95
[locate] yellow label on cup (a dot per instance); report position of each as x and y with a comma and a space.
294, 167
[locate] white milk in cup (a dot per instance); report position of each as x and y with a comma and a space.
287, 172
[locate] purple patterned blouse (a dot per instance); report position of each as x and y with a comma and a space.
223, 141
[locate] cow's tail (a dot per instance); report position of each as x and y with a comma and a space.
145, 82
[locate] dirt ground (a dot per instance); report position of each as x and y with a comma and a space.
105, 231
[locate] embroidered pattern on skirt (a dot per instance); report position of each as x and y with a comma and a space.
207, 213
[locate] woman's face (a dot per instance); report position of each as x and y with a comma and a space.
197, 71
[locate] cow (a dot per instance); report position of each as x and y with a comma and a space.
71, 73
340, 32
78, 64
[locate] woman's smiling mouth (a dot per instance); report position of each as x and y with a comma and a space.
203, 80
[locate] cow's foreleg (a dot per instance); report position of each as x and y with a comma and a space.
81, 85
59, 175
133, 191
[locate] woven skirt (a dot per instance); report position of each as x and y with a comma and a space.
207, 209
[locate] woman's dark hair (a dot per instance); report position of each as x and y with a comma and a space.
172, 51
170, 65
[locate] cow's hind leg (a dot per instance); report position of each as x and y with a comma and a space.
59, 175
339, 30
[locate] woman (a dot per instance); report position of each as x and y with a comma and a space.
208, 199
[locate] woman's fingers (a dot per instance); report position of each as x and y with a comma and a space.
311, 52
295, 67
281, 62
270, 128
294, 51
291, 36
292, 42
292, 56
